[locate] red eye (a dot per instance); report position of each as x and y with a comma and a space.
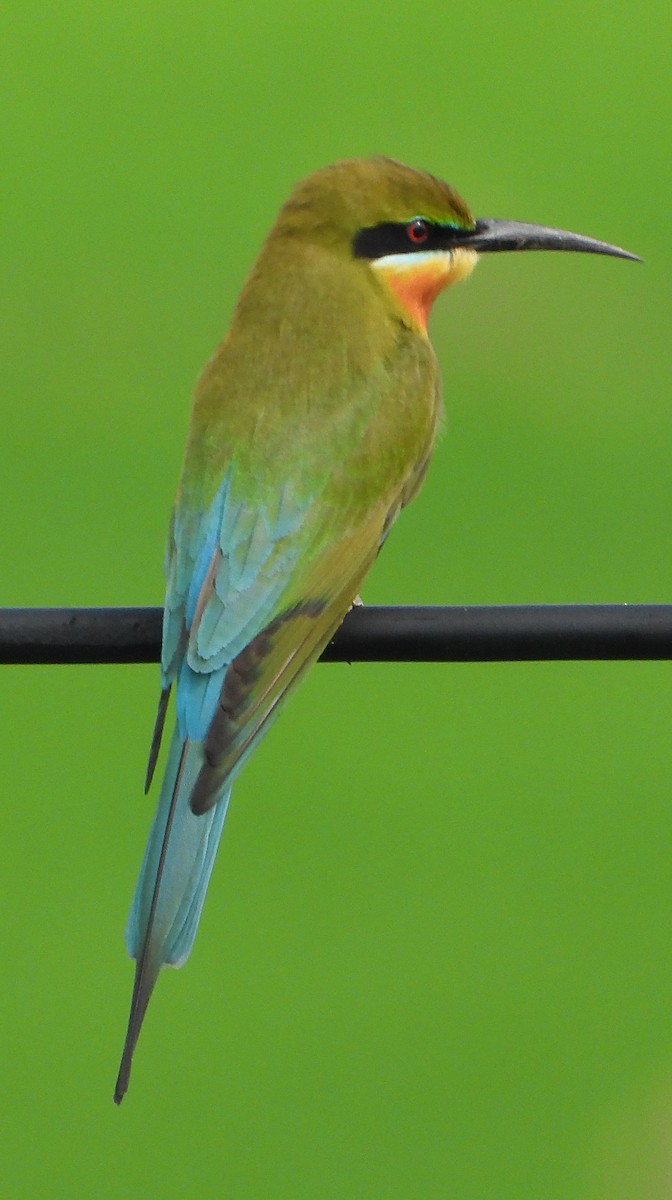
417, 231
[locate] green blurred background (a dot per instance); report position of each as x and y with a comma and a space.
436, 959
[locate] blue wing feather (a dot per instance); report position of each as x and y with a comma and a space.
226, 571
244, 564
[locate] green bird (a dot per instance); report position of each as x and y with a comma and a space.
312, 426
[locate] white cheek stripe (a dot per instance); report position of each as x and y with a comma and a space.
413, 258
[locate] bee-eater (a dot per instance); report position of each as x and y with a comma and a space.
312, 426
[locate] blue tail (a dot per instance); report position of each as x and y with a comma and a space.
171, 888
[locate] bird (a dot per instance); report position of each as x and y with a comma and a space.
312, 426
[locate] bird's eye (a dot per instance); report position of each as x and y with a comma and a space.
417, 231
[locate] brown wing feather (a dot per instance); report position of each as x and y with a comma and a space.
274, 661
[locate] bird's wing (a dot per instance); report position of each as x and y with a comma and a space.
254, 594
252, 600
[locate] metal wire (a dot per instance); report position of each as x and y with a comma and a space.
454, 633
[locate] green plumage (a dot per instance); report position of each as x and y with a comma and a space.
312, 426
318, 349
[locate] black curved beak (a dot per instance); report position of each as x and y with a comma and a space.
492, 234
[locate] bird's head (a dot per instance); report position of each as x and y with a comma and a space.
414, 232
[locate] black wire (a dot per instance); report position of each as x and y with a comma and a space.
454, 633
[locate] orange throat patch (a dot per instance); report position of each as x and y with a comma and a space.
416, 279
